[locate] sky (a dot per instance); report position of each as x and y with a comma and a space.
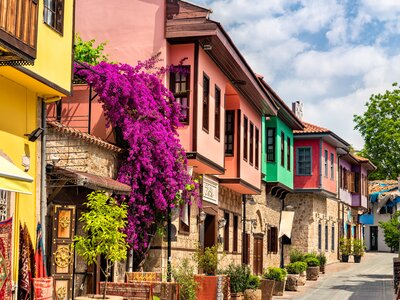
329, 54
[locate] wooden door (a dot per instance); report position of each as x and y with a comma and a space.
258, 254
209, 231
63, 224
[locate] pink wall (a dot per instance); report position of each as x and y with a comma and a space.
327, 183
134, 30
175, 54
207, 145
312, 181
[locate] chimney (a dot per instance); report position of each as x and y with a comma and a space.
297, 108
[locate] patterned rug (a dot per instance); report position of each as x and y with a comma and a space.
26, 264
5, 259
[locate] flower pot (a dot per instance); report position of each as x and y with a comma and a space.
236, 296
291, 282
209, 287
322, 269
267, 289
312, 273
279, 288
345, 258
357, 258
251, 294
97, 297
302, 279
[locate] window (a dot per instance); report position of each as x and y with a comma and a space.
333, 238
217, 114
180, 87
206, 101
272, 239
288, 153
235, 233
303, 160
229, 131
344, 174
326, 163
256, 147
282, 149
4, 205
319, 236
54, 14
245, 137
332, 166
184, 220
351, 182
226, 232
271, 144
326, 238
251, 143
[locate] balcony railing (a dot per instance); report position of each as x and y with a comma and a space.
18, 31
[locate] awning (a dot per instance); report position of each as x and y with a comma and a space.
12, 178
367, 219
91, 181
286, 224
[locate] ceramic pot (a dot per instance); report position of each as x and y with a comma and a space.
312, 273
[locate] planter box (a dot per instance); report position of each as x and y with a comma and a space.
279, 288
345, 258
267, 289
211, 287
92, 297
357, 258
252, 294
312, 273
302, 279
236, 296
292, 282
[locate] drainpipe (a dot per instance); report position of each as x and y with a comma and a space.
244, 241
282, 262
43, 192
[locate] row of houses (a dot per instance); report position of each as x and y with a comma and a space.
269, 181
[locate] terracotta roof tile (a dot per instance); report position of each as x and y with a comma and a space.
311, 128
83, 136
381, 185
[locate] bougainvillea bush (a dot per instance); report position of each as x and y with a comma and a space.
137, 103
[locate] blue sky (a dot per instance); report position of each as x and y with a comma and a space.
329, 54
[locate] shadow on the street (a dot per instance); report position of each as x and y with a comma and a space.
377, 276
369, 289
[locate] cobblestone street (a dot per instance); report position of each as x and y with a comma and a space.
371, 279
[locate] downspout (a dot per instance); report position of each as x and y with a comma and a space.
43, 192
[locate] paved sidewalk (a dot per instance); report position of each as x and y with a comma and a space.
372, 279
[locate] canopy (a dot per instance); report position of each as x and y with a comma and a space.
285, 227
12, 178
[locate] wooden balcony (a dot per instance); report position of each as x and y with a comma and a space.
18, 31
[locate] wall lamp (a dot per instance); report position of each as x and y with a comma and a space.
202, 217
221, 223
34, 135
207, 47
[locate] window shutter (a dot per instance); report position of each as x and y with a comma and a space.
274, 239
269, 239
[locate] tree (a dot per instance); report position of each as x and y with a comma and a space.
391, 231
380, 128
103, 226
85, 51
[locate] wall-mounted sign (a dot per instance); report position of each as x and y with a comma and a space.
210, 190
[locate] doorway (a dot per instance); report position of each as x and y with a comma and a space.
258, 254
373, 231
209, 231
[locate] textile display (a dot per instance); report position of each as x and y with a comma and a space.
40, 267
6, 259
26, 263
43, 288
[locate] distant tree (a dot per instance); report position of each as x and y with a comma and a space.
391, 231
380, 128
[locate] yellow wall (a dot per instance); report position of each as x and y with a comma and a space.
54, 51
18, 115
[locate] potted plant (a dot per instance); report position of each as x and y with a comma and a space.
103, 225
358, 250
238, 279
293, 278
312, 268
322, 262
344, 249
296, 255
207, 283
252, 291
279, 276
183, 273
